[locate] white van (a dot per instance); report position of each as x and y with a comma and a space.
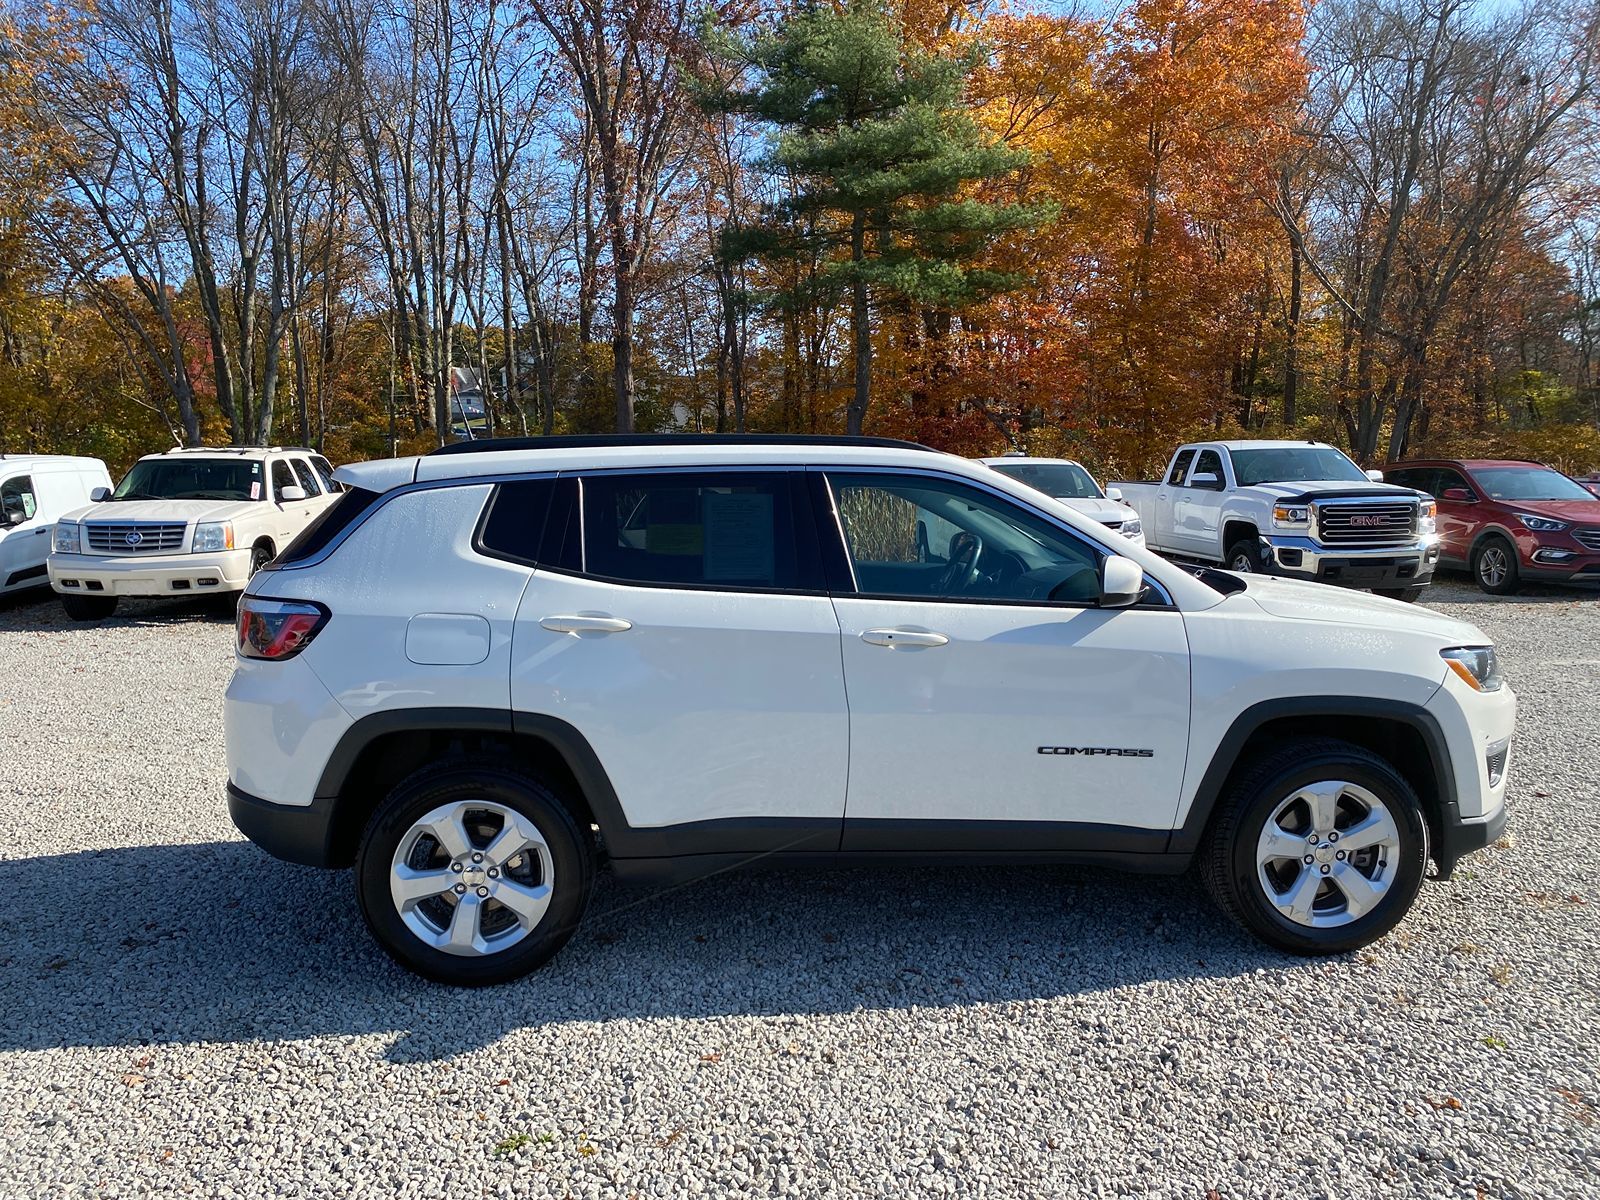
35, 489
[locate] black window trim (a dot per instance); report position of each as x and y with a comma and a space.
1102, 550
1181, 462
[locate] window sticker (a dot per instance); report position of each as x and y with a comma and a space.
739, 536
255, 489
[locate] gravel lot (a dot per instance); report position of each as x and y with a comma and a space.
184, 1015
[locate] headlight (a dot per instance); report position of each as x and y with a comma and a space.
1131, 529
1541, 524
1477, 665
65, 538
1428, 517
1291, 514
215, 535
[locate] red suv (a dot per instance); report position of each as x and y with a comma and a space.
1507, 521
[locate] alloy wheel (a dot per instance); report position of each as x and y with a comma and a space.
1328, 854
1492, 566
472, 877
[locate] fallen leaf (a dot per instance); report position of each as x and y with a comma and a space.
713, 1057
1449, 1102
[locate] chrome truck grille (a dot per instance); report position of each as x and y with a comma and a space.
1389, 524
134, 537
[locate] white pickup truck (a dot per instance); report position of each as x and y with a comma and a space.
1301, 509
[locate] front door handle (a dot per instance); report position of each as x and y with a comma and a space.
903, 637
586, 623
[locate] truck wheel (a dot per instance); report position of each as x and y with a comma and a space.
472, 873
88, 608
1318, 848
1242, 557
1408, 595
1494, 566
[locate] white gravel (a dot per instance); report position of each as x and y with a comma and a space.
184, 1015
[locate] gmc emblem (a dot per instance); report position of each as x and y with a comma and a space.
1365, 520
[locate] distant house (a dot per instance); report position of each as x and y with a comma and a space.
469, 416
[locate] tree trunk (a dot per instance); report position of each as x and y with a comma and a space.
862, 328
1291, 341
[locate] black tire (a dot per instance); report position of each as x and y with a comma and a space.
1243, 557
571, 850
1228, 863
88, 608
1503, 582
1408, 595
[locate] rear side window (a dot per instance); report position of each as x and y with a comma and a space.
737, 530
324, 471
327, 525
1180, 467
308, 481
514, 525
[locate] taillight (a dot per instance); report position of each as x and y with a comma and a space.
277, 629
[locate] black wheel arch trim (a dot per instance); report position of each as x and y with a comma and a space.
1187, 839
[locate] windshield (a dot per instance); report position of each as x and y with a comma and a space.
1294, 464
1529, 483
192, 479
1053, 479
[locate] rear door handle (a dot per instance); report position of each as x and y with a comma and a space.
903, 637
586, 623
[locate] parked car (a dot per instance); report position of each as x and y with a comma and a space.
485, 672
1590, 483
35, 489
1298, 509
1508, 521
186, 522
1067, 481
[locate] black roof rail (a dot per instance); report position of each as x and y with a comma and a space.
610, 441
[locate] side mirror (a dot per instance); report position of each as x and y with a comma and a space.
1375, 476
1457, 495
14, 514
1114, 495
99, 495
285, 495
1121, 582
1206, 479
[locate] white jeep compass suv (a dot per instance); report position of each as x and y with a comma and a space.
485, 671
187, 522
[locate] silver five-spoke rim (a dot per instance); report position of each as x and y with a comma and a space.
472, 878
1492, 566
1242, 564
1328, 854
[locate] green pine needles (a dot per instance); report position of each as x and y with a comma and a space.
874, 145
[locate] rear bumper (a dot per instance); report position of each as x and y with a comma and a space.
297, 833
1410, 565
152, 575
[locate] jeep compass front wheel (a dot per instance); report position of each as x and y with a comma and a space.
1320, 848
473, 873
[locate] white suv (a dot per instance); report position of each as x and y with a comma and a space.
1070, 482
186, 522
489, 669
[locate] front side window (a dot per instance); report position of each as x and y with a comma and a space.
1061, 480
182, 477
282, 478
17, 502
1294, 464
1529, 483
1209, 461
937, 539
693, 530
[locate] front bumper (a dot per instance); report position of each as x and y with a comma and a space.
150, 575
1410, 565
1561, 564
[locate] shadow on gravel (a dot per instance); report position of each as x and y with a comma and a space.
41, 609
217, 942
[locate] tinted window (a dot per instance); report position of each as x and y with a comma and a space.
1294, 464
716, 529
302, 471
516, 519
325, 472
1447, 478
1421, 478
1180, 468
910, 535
282, 477
1053, 479
184, 477
1529, 483
1210, 461
327, 525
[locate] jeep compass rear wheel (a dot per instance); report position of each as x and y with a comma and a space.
1320, 848
473, 874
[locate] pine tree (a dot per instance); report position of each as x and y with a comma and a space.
880, 148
